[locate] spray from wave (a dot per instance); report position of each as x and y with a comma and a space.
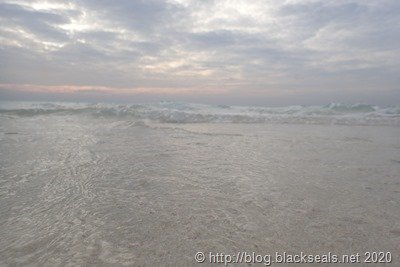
172, 112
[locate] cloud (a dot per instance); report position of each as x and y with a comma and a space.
257, 47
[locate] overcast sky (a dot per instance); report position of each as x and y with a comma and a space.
230, 52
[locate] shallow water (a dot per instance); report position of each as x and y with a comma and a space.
78, 189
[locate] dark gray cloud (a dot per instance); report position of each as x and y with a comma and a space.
42, 24
144, 16
267, 48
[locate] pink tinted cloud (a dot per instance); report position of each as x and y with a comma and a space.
73, 89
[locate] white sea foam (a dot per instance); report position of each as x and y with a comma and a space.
172, 112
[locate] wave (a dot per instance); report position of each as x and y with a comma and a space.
171, 112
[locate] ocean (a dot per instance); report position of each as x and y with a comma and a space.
155, 184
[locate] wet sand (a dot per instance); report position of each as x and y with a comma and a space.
78, 191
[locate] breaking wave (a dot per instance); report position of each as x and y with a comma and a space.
171, 112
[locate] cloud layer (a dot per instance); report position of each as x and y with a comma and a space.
234, 48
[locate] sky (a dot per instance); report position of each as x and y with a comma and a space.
259, 52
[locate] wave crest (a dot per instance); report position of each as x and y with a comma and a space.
170, 112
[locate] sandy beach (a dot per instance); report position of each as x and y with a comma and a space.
80, 189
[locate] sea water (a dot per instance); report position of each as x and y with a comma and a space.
102, 184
